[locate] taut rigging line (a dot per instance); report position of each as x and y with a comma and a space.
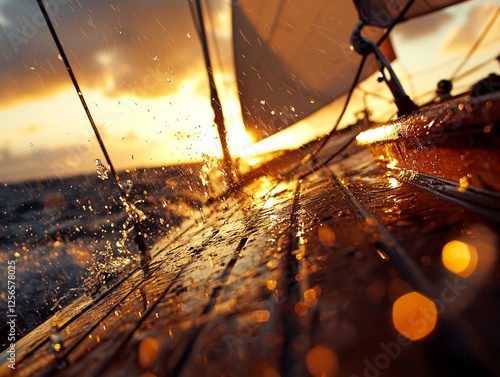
130, 208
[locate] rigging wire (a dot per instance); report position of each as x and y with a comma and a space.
313, 154
134, 214
65, 60
476, 44
454, 76
459, 77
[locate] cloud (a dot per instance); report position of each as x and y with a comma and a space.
30, 129
124, 48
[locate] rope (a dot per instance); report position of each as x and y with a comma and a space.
313, 154
476, 44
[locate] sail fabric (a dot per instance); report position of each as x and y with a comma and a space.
291, 58
383, 13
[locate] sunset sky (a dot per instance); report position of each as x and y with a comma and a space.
141, 71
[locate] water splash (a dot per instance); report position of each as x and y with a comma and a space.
463, 183
127, 186
209, 167
106, 266
102, 171
134, 213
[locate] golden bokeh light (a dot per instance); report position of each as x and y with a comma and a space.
271, 284
326, 235
322, 362
148, 352
460, 258
414, 315
261, 316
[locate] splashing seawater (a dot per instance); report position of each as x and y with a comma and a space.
134, 213
127, 186
102, 171
213, 177
106, 265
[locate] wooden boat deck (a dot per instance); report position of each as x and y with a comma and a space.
298, 276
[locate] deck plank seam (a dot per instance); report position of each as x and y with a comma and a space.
452, 319
105, 365
400, 258
187, 352
472, 198
111, 290
291, 288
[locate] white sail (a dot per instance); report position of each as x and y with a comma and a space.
293, 57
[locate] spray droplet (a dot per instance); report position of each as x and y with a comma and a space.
189, 35
102, 171
56, 345
59, 56
156, 58
127, 186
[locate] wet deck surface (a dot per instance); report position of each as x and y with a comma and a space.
298, 277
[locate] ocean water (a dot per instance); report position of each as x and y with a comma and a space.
69, 236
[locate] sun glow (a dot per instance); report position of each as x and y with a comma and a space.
382, 133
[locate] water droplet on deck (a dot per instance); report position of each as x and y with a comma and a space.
463, 183
148, 352
56, 345
271, 284
326, 235
261, 316
414, 315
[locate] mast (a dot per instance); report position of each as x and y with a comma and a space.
214, 98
